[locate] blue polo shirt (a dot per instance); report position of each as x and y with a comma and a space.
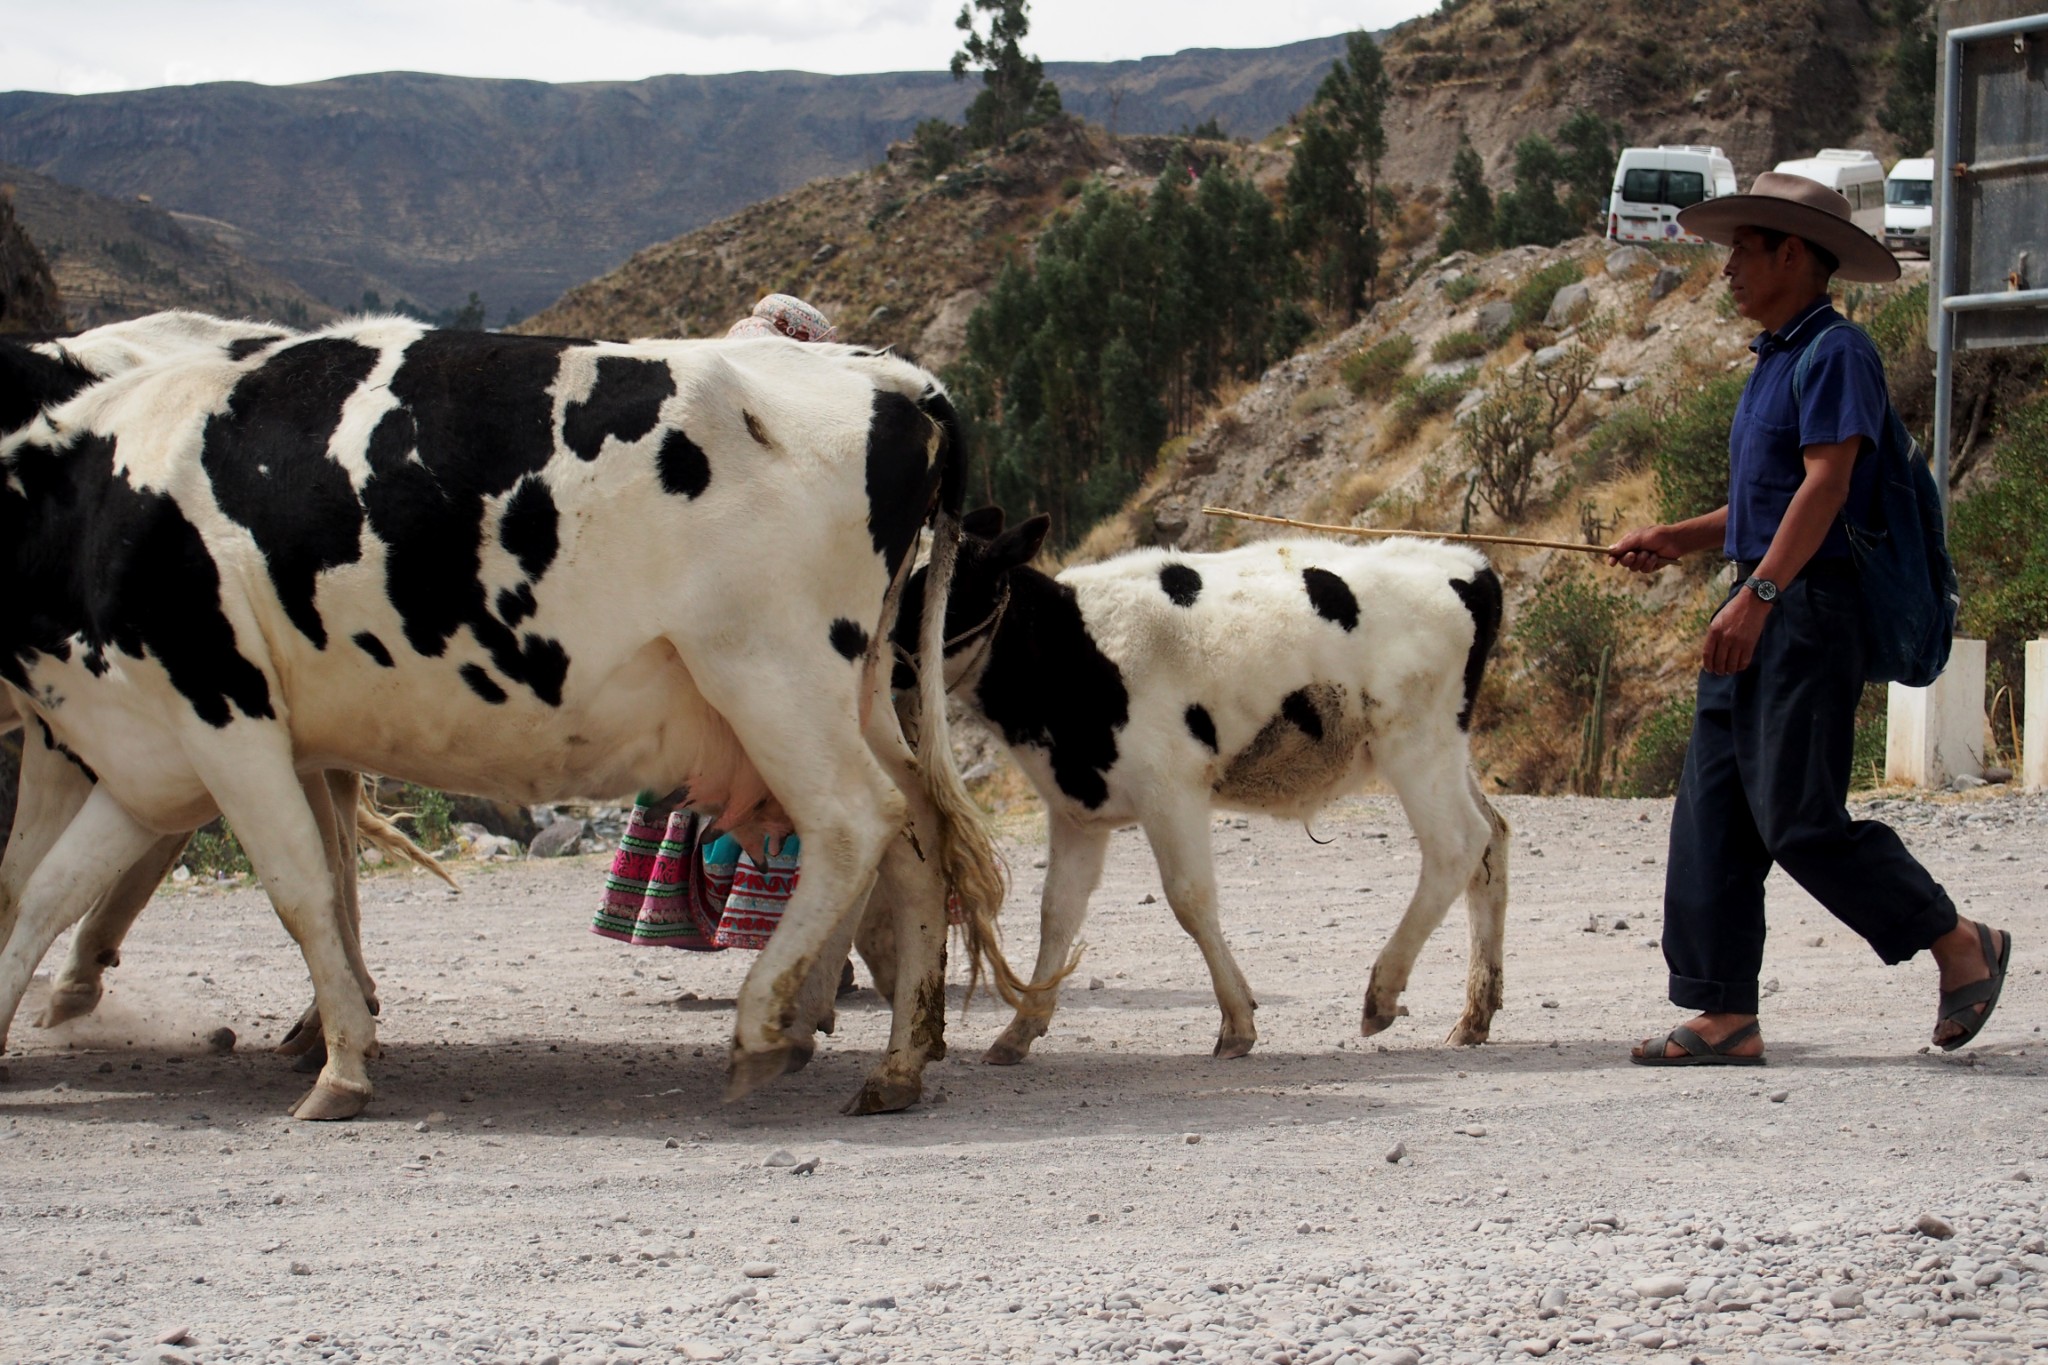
1845, 396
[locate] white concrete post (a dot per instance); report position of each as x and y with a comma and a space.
2034, 743
1934, 734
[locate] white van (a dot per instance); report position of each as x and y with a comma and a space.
1857, 176
1909, 205
1651, 184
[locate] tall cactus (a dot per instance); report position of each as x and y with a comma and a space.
1587, 777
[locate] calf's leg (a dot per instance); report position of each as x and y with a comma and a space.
1486, 906
1431, 776
92, 851
911, 893
1073, 869
1180, 842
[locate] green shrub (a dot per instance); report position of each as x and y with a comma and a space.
1622, 443
1866, 765
1425, 396
2000, 543
1690, 458
1458, 346
1657, 758
431, 815
1462, 288
1314, 401
1569, 622
1373, 372
215, 852
1900, 324
1533, 299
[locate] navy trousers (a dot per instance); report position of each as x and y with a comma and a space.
1766, 781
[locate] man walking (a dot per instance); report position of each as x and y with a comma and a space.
1767, 772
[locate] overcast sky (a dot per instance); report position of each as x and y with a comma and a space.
79, 46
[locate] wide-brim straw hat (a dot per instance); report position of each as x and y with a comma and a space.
1804, 208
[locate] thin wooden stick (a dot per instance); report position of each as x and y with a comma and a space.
1423, 535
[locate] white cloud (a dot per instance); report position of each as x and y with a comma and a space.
88, 45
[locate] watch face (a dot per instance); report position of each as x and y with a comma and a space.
1765, 590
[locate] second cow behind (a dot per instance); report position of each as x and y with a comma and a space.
1156, 686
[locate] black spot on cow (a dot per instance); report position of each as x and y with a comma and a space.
624, 402
1332, 597
87, 555
1300, 712
1181, 584
241, 348
374, 647
901, 475
516, 604
266, 457
529, 529
680, 462
31, 381
1201, 725
95, 660
475, 418
58, 746
481, 683
850, 638
1482, 597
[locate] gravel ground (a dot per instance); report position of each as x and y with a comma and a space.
547, 1174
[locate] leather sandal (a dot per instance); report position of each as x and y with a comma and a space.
1698, 1051
1959, 1006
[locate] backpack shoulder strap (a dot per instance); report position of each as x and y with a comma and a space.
1804, 365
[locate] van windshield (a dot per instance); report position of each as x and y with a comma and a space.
1912, 194
1676, 188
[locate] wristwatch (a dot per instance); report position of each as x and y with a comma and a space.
1764, 588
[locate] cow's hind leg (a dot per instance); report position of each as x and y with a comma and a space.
334, 797
912, 895
97, 944
1073, 870
261, 797
1486, 906
98, 844
1432, 779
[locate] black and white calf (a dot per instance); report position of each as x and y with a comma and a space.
525, 567
1155, 686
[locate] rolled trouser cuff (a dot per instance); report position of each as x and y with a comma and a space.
1714, 997
1917, 931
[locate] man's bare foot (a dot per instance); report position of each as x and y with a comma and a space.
1712, 1029
1959, 954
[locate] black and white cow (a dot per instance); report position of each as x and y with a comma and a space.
1153, 687
526, 567
35, 376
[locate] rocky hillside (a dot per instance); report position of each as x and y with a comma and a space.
114, 259
432, 186
892, 257
29, 301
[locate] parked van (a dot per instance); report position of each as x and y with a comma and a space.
1651, 184
1858, 176
1909, 205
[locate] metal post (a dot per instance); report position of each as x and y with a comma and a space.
1944, 260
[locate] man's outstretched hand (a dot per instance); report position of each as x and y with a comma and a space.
1647, 550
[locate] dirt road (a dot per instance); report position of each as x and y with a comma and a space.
547, 1172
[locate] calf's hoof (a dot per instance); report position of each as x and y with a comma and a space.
331, 1100
884, 1096
68, 1002
747, 1072
1230, 1046
1470, 1033
1003, 1052
1370, 1023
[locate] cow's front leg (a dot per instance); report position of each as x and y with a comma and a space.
97, 944
96, 846
1073, 869
274, 818
50, 791
911, 894
1179, 832
334, 796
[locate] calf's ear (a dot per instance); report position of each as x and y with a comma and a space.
1019, 544
985, 522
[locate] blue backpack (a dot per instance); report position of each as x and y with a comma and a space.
1901, 554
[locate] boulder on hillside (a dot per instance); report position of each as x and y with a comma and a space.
1627, 261
1492, 320
1668, 279
1569, 303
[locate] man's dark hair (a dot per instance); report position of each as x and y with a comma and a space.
1773, 239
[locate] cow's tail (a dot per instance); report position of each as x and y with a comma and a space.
968, 862
375, 829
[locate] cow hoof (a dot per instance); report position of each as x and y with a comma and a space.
70, 1002
303, 1036
884, 1097
330, 1101
312, 1061
829, 1024
1228, 1047
1468, 1034
1004, 1053
747, 1072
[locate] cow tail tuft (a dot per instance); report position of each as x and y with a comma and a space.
377, 830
